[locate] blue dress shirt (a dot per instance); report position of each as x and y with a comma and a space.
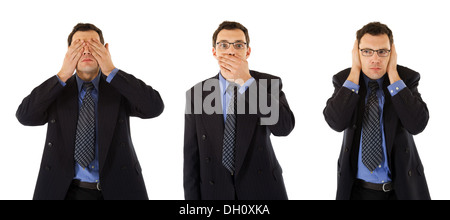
90, 173
382, 174
226, 97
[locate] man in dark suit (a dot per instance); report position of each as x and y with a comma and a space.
88, 152
378, 105
228, 154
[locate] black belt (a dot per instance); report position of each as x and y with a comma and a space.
86, 185
385, 187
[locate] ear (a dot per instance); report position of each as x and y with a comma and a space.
249, 51
107, 47
214, 52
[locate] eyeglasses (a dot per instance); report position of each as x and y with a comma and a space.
237, 45
370, 52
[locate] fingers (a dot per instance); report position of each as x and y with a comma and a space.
393, 50
76, 47
75, 51
97, 49
356, 45
230, 61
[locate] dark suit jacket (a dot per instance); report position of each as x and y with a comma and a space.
258, 174
405, 114
120, 172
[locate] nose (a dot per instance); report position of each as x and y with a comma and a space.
86, 50
231, 50
376, 58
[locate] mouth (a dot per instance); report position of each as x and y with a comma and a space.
86, 60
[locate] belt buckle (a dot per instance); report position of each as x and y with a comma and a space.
384, 189
98, 186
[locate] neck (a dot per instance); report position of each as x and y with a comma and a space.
87, 76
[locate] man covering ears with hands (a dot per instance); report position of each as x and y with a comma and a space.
228, 154
88, 153
378, 105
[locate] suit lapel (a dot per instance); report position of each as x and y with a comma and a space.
213, 123
389, 118
108, 109
67, 108
246, 124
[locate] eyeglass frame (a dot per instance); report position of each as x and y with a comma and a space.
375, 51
234, 44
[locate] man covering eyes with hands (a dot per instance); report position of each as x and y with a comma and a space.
88, 153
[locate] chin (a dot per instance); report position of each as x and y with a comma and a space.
92, 70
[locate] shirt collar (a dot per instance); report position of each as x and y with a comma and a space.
223, 83
95, 81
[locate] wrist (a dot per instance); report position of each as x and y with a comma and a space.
63, 77
108, 71
393, 76
354, 75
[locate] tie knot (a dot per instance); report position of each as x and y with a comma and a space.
373, 85
88, 86
231, 88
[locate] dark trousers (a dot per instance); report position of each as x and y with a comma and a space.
361, 193
78, 193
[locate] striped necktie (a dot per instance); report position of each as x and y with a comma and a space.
229, 137
372, 152
85, 135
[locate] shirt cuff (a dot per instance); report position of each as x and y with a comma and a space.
111, 75
60, 81
247, 84
396, 87
352, 86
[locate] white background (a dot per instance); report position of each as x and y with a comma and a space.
167, 44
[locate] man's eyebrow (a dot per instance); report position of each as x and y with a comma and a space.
373, 49
238, 41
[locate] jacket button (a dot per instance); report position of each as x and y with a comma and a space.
346, 149
409, 173
203, 137
52, 121
50, 144
208, 160
211, 182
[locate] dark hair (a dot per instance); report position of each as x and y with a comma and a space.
85, 27
230, 25
375, 29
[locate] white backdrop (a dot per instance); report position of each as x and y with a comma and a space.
167, 44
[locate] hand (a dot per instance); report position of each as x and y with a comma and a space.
234, 68
392, 66
356, 65
71, 59
102, 55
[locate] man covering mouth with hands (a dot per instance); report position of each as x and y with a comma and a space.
228, 154
88, 153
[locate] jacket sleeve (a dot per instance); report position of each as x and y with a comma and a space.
410, 107
340, 110
191, 167
144, 101
33, 111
